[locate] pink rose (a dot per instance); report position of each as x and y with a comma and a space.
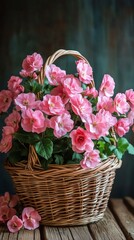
105, 103
72, 85
131, 117
107, 86
6, 143
122, 126
91, 159
33, 121
14, 86
25, 101
5, 100
13, 120
7, 131
31, 64
54, 74
98, 125
6, 213
81, 106
14, 224
81, 140
120, 103
130, 97
9, 200
31, 218
52, 105
61, 124
91, 92
85, 71
59, 91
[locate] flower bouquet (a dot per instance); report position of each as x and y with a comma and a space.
64, 139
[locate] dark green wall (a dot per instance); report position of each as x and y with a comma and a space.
102, 30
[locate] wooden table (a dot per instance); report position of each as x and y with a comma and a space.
118, 223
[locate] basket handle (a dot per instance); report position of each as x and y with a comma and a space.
59, 53
32, 157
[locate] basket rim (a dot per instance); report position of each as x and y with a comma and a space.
112, 163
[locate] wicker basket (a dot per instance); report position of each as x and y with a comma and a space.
64, 194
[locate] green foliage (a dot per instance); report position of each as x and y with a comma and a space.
44, 148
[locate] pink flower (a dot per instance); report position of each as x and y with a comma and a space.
4, 199
72, 85
31, 64
6, 143
107, 86
91, 159
120, 103
26, 74
81, 140
6, 213
131, 117
98, 125
85, 71
122, 126
105, 103
52, 105
91, 92
61, 124
7, 130
31, 218
9, 200
5, 100
14, 224
130, 97
81, 106
33, 121
13, 120
25, 101
54, 74
14, 86
59, 91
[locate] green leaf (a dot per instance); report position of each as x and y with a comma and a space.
36, 87
130, 149
44, 163
44, 148
17, 156
112, 147
30, 138
59, 159
118, 154
26, 84
101, 146
77, 156
122, 145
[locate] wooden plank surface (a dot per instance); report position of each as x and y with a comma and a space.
68, 233
124, 217
21, 235
117, 224
129, 203
106, 229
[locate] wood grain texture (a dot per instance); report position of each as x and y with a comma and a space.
103, 33
21, 235
117, 224
71, 233
129, 203
106, 229
124, 217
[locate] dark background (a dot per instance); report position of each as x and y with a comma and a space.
101, 30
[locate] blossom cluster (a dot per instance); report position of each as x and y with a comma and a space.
29, 218
67, 114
